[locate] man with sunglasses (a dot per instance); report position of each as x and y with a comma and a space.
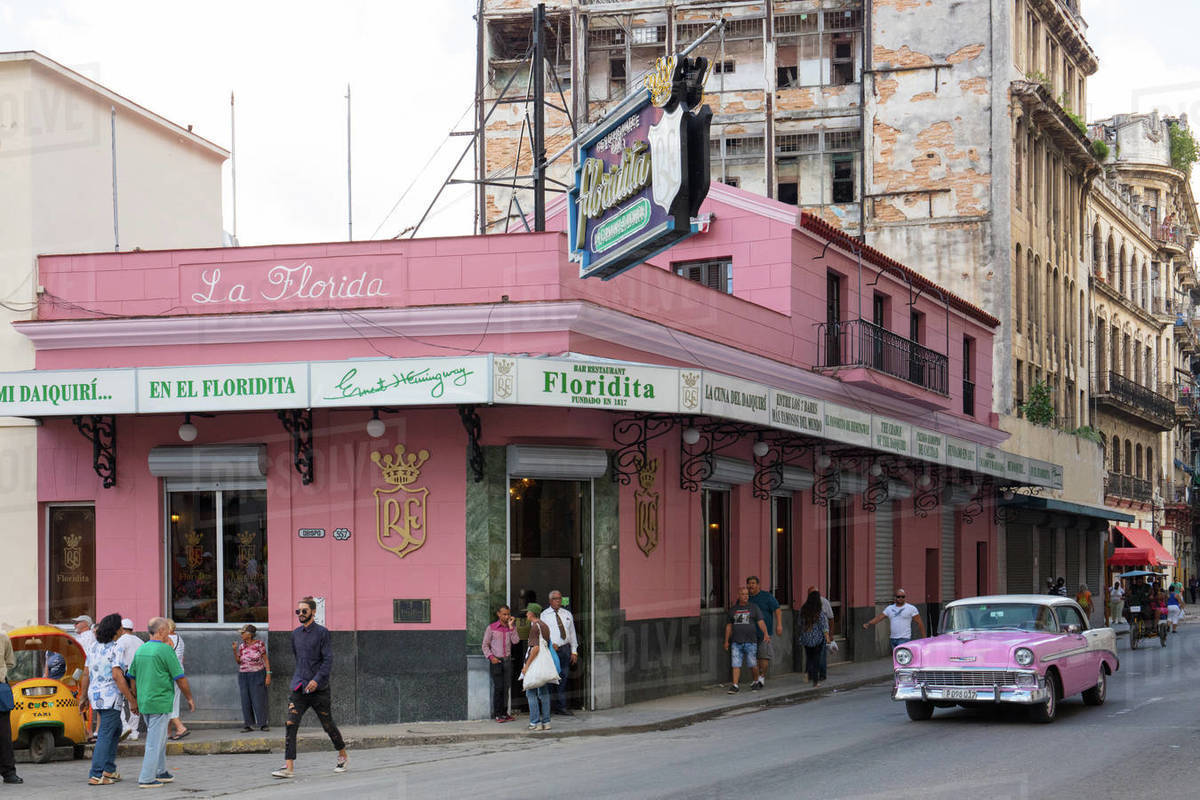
313, 650
901, 614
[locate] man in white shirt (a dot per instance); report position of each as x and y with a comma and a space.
83, 632
565, 643
901, 615
129, 644
86, 638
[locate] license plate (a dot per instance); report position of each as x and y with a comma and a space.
1135, 608
959, 694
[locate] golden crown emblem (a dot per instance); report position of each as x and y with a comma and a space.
246, 538
690, 378
647, 474
503, 366
72, 540
660, 80
403, 469
195, 537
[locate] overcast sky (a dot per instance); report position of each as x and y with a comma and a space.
411, 67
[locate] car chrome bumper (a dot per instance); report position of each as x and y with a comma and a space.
1021, 695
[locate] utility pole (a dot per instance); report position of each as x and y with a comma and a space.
480, 121
233, 162
539, 117
349, 192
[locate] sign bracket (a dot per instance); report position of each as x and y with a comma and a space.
298, 423
474, 427
101, 431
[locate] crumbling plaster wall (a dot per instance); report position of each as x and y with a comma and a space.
938, 127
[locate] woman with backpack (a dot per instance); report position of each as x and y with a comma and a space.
814, 635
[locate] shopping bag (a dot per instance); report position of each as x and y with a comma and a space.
542, 670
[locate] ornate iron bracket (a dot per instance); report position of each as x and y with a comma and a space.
768, 474
696, 461
877, 486
474, 427
827, 486
101, 431
928, 498
633, 433
298, 423
973, 510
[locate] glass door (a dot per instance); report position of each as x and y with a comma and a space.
550, 549
70, 563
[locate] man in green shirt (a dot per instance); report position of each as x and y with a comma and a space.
152, 675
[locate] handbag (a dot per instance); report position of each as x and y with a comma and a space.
7, 703
542, 670
557, 663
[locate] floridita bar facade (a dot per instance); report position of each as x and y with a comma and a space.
418, 431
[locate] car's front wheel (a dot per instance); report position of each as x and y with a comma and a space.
1047, 711
1095, 695
918, 710
41, 746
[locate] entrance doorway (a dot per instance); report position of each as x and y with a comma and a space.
550, 540
835, 577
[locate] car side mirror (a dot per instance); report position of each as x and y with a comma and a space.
1073, 629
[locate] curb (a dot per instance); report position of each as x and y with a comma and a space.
318, 743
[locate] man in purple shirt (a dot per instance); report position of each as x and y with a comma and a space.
498, 640
313, 649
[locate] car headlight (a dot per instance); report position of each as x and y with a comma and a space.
38, 691
1024, 656
905, 676
903, 656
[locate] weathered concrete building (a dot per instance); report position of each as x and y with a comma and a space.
83, 169
1143, 228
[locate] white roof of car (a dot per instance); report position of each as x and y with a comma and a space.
1040, 599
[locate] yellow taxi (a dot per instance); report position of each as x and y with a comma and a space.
45, 685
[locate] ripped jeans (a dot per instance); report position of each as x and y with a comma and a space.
319, 701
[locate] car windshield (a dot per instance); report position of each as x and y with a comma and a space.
998, 616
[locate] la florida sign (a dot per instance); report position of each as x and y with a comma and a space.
642, 173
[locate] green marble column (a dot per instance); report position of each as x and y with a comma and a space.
608, 562
487, 546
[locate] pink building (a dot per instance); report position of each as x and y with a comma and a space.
416, 432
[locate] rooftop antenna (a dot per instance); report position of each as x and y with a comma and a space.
349, 188
233, 162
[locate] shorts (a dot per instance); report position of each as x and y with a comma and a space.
743, 654
766, 650
1174, 613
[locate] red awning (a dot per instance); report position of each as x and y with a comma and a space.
1142, 539
1131, 557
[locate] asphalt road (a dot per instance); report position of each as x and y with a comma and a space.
1142, 742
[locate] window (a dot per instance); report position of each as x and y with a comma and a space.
714, 542
842, 189
616, 77
723, 67
1019, 395
781, 549
968, 354
713, 273
841, 61
217, 551
1068, 616
70, 562
817, 49
788, 192
731, 180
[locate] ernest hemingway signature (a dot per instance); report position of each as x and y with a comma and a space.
348, 388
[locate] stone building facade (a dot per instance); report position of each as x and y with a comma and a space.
1143, 227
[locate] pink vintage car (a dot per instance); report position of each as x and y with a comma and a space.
1029, 649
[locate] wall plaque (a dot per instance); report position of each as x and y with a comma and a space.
411, 610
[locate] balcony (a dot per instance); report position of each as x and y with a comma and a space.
858, 343
1126, 397
1187, 404
1128, 487
1170, 235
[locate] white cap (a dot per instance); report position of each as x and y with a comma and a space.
127, 624
83, 618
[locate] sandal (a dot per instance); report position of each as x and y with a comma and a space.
179, 736
102, 781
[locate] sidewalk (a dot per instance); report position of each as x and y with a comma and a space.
664, 713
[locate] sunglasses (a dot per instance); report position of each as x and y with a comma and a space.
300, 611
898, 597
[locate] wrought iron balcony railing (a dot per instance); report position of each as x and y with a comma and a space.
859, 343
1129, 487
1146, 402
